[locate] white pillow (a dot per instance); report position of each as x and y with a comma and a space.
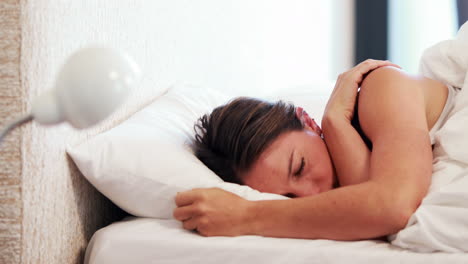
142, 163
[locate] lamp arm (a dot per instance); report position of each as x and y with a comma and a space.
13, 124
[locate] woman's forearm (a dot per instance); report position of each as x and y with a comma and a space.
348, 213
349, 153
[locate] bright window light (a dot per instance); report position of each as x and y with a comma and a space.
416, 25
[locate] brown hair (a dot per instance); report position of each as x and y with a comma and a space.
233, 136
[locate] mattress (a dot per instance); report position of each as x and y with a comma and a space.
145, 240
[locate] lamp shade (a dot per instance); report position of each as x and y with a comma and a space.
92, 83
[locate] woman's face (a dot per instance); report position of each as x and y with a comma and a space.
296, 164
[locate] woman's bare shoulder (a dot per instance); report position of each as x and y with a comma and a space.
397, 83
391, 95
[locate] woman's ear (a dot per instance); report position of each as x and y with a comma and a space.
315, 127
305, 119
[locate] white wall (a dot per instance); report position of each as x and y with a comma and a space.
224, 44
341, 50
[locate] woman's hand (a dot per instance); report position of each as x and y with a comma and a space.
213, 212
343, 98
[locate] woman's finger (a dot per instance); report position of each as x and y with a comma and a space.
186, 198
190, 224
369, 65
184, 213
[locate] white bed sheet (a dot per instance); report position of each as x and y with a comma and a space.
145, 240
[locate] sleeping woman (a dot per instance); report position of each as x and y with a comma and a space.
361, 175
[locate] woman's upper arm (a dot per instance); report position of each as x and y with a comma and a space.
392, 114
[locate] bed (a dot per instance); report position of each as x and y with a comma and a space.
145, 240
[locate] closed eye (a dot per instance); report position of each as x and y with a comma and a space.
301, 168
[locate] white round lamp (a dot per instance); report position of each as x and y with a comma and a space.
92, 83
